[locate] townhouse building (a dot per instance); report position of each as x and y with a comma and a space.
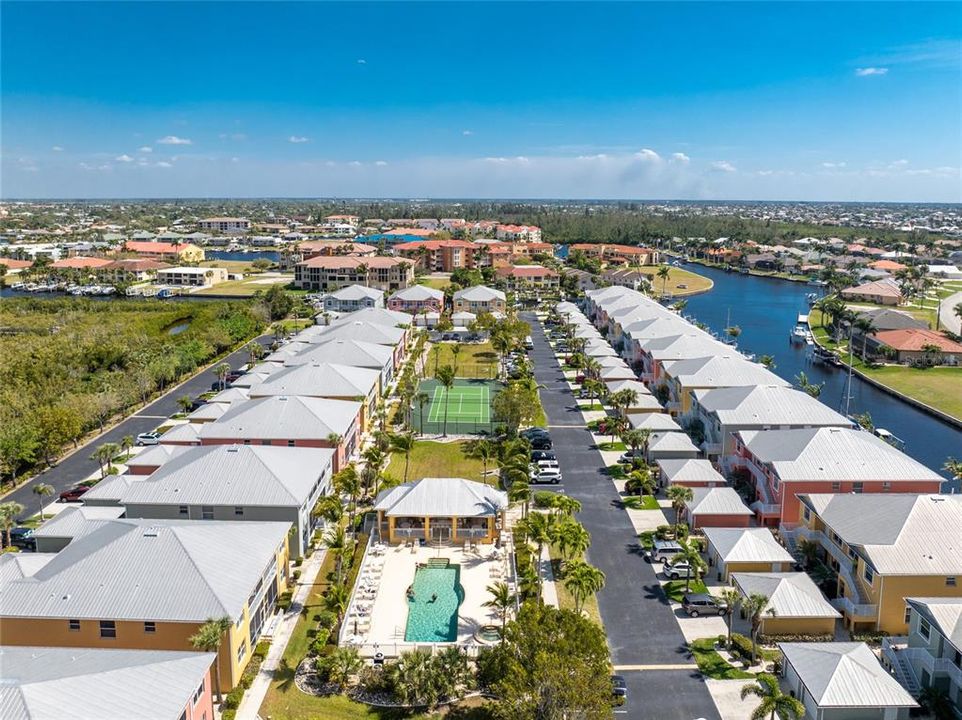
480, 299
191, 276
417, 299
533, 278
353, 297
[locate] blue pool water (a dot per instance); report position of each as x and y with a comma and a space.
434, 621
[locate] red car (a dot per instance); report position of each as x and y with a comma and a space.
74, 493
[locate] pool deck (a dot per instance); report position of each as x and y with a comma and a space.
378, 610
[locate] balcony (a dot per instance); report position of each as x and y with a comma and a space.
894, 648
855, 611
766, 509
845, 570
711, 448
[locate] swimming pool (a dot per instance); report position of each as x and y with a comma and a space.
433, 604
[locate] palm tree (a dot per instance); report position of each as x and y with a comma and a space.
731, 597
482, 450
421, 399
520, 491
42, 490
754, 606
539, 530
664, 273
866, 327
565, 505
594, 388
9, 512
502, 600
582, 581
804, 384
571, 538
768, 361
254, 352
403, 443
208, 638
348, 482
185, 402
445, 376
679, 495
455, 351
634, 439
623, 399
126, 443
436, 351
345, 662
336, 540
223, 370
336, 599
774, 703
953, 467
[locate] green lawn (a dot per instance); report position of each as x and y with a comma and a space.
693, 282
243, 288
436, 459
647, 539
641, 502
713, 665
565, 599
675, 589
436, 283
616, 472
617, 445
474, 360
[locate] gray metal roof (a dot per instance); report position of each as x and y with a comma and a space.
617, 373
945, 613
16, 565
654, 421
154, 455
356, 292
689, 469
608, 361
791, 594
716, 501
42, 683
676, 347
720, 371
208, 411
74, 521
845, 675
182, 433
479, 293
253, 475
670, 440
376, 316
636, 385
161, 570
112, 487
351, 329
284, 418
231, 394
319, 380
746, 545
899, 534
417, 293
768, 404
346, 352
442, 497
833, 453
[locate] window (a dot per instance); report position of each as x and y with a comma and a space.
925, 630
73, 625
836, 538
207, 512
858, 487
242, 651
868, 575
908, 614
108, 629
247, 442
807, 514
950, 581
290, 443
238, 510
199, 692
836, 487
265, 442
150, 626
182, 510
886, 486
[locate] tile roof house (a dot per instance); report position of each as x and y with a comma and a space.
917, 346
41, 683
289, 421
150, 584
783, 464
179, 252
837, 681
880, 292
795, 604
80, 263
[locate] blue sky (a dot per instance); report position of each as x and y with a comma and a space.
811, 101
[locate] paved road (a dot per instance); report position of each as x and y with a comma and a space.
79, 465
950, 321
641, 626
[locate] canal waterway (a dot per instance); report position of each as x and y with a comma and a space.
766, 309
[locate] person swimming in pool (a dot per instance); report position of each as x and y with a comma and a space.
410, 592
434, 597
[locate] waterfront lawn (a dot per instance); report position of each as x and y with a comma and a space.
693, 282
246, 287
437, 459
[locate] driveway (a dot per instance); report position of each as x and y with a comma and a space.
79, 465
646, 644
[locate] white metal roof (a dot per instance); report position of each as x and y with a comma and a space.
790, 594
636, 385
154, 455
716, 501
208, 411
43, 683
16, 565
618, 373
943, 612
654, 421
767, 404
74, 521
899, 534
161, 570
442, 497
479, 293
346, 352
356, 292
418, 292
253, 475
319, 380
746, 545
833, 453
611, 361
182, 433
689, 469
670, 440
720, 371
351, 329
284, 418
375, 316
233, 393
845, 675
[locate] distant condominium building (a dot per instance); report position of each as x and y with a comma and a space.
191, 276
525, 233
224, 224
529, 277
441, 255
332, 273
170, 252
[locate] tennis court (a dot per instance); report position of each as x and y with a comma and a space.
467, 405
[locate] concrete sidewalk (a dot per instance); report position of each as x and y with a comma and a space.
254, 696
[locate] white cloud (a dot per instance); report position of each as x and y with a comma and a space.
164, 164
467, 132
145, 149
297, 139
680, 157
355, 163
869, 71
57, 148
723, 166
833, 165
648, 155
361, 61
898, 163
380, 163
174, 140
124, 158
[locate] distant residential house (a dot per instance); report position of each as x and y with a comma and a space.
224, 224
191, 276
879, 292
842, 680
329, 273
327, 248
151, 584
889, 266
479, 299
133, 270
916, 346
626, 277
47, 683
416, 299
78, 262
526, 233
168, 252
613, 253
529, 277
353, 297
949, 272
14, 266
